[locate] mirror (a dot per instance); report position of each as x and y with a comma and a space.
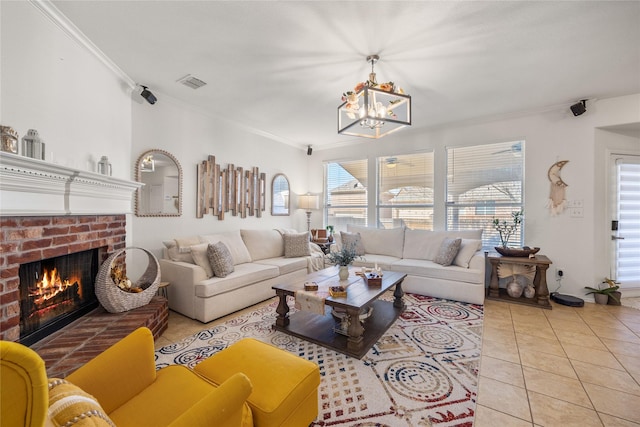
280, 195
162, 193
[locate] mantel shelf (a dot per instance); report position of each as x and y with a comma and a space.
36, 187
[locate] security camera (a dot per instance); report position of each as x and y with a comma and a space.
146, 94
579, 108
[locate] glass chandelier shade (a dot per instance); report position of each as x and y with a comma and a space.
372, 109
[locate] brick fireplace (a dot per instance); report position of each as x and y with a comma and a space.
28, 239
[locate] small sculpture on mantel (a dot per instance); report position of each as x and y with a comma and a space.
33, 145
557, 202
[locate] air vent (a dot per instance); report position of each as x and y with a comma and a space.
192, 82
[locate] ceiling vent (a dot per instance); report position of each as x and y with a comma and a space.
192, 82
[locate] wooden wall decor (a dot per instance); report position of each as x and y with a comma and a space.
231, 189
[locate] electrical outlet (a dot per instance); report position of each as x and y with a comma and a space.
576, 212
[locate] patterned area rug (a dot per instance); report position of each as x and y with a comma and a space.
422, 372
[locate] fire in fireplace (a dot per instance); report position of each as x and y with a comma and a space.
56, 291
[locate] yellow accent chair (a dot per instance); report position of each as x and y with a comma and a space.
125, 382
23, 386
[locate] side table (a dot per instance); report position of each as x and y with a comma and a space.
541, 297
162, 289
325, 246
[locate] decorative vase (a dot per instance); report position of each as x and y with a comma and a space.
601, 298
529, 291
343, 272
514, 289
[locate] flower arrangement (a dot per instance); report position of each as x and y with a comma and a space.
343, 257
506, 229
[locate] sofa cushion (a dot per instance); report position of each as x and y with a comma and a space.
370, 260
286, 265
174, 254
185, 243
263, 244
448, 250
234, 242
70, 405
425, 244
380, 241
424, 268
220, 259
468, 248
296, 245
200, 255
352, 240
243, 275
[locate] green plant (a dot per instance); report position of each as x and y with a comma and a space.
330, 229
507, 229
345, 256
608, 290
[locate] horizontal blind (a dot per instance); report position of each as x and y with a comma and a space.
485, 182
628, 200
346, 192
405, 191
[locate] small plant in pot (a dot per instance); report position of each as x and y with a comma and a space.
343, 258
608, 294
506, 230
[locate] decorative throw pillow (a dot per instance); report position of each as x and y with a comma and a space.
296, 244
468, 248
220, 259
185, 243
174, 254
200, 255
69, 405
448, 251
352, 240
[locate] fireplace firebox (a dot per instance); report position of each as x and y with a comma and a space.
56, 291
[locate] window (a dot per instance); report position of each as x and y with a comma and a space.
485, 182
405, 191
346, 192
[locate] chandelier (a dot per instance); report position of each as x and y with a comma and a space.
372, 109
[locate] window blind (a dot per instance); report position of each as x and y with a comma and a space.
346, 192
485, 182
628, 208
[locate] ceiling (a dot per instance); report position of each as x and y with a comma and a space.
279, 68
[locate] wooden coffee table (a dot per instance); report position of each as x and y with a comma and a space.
326, 330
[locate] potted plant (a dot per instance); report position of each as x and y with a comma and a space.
330, 232
608, 294
343, 258
506, 230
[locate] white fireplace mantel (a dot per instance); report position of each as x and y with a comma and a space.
31, 187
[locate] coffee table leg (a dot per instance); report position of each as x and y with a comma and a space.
282, 310
354, 342
398, 294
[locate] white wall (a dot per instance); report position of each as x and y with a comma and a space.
573, 244
49, 82
191, 136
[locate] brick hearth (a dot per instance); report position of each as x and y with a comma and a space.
28, 239
69, 348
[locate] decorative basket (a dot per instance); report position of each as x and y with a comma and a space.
114, 299
516, 252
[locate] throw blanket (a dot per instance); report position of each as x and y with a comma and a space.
310, 301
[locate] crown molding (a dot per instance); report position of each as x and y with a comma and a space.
58, 18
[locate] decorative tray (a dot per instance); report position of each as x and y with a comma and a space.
372, 279
310, 286
337, 291
517, 252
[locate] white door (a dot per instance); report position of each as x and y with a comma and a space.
625, 223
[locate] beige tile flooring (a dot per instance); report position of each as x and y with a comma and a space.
562, 367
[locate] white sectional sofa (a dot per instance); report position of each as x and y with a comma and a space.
413, 252
259, 262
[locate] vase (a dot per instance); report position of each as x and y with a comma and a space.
514, 289
601, 298
343, 272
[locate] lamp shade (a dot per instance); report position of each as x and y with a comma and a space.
308, 201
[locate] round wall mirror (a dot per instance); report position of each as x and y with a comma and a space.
161, 175
280, 195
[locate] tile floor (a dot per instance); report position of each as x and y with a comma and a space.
562, 367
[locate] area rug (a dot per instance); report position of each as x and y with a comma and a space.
422, 372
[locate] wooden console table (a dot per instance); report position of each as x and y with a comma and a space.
541, 297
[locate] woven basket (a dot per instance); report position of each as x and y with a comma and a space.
114, 299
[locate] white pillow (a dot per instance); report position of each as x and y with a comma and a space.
468, 248
234, 243
200, 256
174, 254
185, 243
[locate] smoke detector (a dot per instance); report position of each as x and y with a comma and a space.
192, 82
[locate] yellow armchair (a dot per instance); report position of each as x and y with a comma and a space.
123, 379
